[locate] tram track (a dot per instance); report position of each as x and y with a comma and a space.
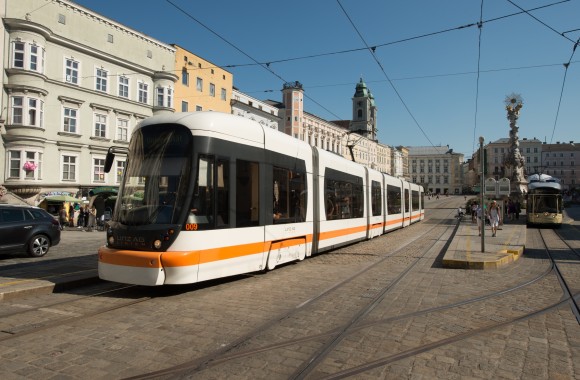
242, 348
32, 319
265, 339
557, 266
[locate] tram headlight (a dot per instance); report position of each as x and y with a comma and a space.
157, 244
111, 240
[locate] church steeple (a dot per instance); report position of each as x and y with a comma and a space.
364, 112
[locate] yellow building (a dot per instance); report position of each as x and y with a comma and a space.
202, 86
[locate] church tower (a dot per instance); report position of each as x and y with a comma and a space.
364, 112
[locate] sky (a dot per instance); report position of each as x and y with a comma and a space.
437, 78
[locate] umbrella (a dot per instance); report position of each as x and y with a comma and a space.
61, 198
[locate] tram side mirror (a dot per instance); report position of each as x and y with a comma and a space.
111, 156
109, 160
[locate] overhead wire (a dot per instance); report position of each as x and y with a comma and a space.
265, 66
566, 65
430, 34
372, 52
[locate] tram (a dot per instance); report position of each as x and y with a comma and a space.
544, 201
208, 195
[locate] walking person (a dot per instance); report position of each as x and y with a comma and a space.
92, 219
81, 218
494, 217
62, 217
480, 221
71, 216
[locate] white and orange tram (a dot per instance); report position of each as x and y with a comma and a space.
207, 195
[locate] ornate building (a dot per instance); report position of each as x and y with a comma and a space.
75, 83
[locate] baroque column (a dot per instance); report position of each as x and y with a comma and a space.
513, 161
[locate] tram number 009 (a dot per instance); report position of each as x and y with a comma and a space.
191, 226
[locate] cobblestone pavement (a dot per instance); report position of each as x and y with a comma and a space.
183, 323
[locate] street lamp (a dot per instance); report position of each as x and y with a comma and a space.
481, 140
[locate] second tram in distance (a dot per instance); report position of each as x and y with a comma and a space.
544, 199
207, 195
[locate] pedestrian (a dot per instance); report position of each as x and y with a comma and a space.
71, 216
494, 217
92, 219
518, 208
479, 213
473, 212
62, 217
81, 218
87, 214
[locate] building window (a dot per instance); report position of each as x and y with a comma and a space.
223, 94
100, 125
212, 90
18, 58
123, 87
61, 18
110, 38
184, 106
28, 56
122, 130
143, 91
69, 168
98, 170
27, 110
198, 108
184, 76
120, 171
101, 80
199, 85
71, 74
165, 97
16, 161
70, 120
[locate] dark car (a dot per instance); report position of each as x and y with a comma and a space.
27, 228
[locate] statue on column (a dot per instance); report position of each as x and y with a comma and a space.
514, 161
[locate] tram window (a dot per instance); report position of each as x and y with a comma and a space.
210, 207
406, 199
247, 194
344, 196
414, 200
376, 199
393, 200
289, 203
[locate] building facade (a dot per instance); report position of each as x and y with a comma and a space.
560, 160
202, 86
251, 108
437, 168
74, 84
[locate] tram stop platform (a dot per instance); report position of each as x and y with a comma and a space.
465, 250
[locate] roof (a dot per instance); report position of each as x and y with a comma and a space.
428, 150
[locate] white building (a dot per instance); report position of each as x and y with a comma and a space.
437, 168
251, 108
75, 83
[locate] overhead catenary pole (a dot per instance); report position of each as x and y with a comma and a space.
481, 139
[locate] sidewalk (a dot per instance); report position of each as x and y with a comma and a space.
465, 251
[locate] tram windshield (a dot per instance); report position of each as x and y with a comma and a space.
546, 203
156, 177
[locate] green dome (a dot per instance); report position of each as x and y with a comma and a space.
361, 90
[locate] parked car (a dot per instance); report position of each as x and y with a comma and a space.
27, 228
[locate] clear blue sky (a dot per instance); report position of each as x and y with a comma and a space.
427, 90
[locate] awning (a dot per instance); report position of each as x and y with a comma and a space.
61, 198
103, 190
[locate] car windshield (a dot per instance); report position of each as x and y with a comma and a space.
157, 176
